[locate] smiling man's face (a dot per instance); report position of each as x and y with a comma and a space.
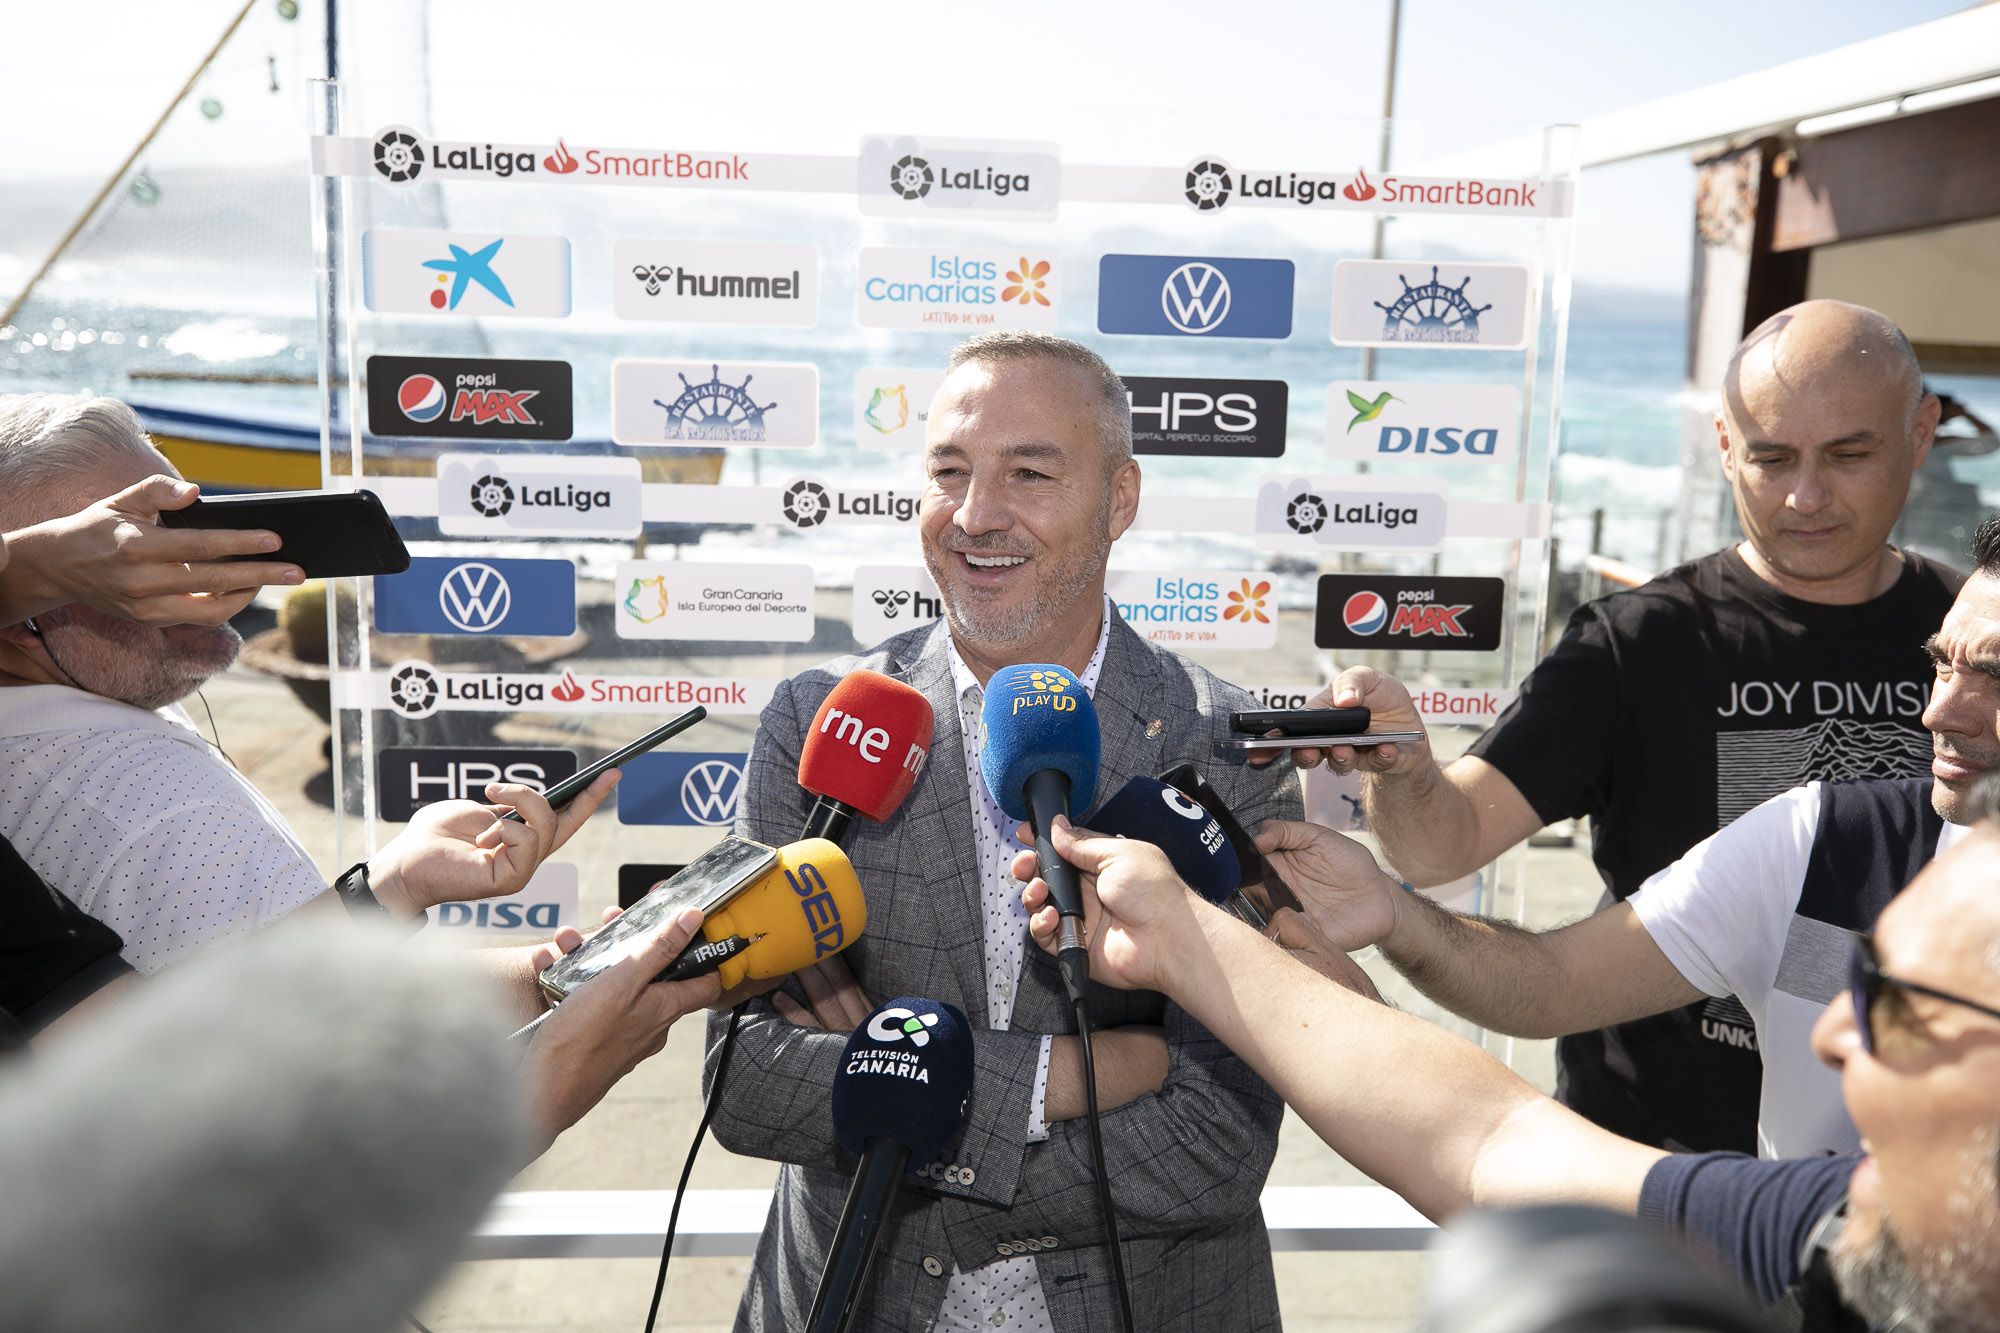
1019, 509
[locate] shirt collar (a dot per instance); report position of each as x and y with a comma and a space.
963, 680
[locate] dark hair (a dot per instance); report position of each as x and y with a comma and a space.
1986, 547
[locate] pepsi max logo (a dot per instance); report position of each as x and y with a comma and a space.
1365, 613
1437, 614
421, 398
470, 398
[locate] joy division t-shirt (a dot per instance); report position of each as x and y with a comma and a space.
1667, 711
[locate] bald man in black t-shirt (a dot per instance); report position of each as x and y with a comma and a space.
1668, 710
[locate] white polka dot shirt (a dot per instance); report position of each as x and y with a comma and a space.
142, 823
1006, 1295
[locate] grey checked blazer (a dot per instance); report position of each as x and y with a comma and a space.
1187, 1164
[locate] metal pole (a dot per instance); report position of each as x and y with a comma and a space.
104, 191
1382, 151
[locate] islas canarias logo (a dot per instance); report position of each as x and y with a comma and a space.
646, 599
1247, 602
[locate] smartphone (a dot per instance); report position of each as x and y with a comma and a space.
572, 786
1301, 721
707, 883
1188, 781
1319, 742
328, 534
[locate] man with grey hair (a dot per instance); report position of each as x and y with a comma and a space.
1669, 710
106, 788
1029, 480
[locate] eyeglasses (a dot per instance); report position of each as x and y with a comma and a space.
1866, 981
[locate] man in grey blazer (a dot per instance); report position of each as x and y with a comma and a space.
1029, 480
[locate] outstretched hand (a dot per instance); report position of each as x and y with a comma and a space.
608, 1025
1389, 709
453, 851
1345, 893
1136, 910
115, 556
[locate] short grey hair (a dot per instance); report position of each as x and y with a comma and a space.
49, 440
1114, 406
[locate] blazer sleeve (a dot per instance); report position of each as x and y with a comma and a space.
777, 1101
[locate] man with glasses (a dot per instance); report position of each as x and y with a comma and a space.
1904, 1235
1765, 910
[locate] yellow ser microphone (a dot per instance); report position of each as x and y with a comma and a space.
807, 907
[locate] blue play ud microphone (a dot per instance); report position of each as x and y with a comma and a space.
1148, 810
899, 1095
1040, 760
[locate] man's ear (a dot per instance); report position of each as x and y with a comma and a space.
1124, 497
1722, 443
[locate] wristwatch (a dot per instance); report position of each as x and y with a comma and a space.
361, 901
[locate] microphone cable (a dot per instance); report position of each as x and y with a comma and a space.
1103, 1174
687, 1167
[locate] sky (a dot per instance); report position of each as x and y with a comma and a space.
94, 73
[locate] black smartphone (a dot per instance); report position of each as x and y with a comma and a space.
572, 786
1188, 781
1301, 721
328, 534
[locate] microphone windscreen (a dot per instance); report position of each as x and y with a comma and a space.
1037, 718
808, 907
867, 743
1148, 810
295, 1131
905, 1076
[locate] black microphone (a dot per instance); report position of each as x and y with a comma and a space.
1148, 810
900, 1094
1040, 760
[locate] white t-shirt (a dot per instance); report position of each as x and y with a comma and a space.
142, 823
1723, 914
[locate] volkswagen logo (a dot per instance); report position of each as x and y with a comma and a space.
475, 597
710, 790
399, 156
1195, 297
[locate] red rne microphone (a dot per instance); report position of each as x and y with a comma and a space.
863, 752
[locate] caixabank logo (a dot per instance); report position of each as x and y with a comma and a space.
902, 176
469, 398
1444, 614
465, 273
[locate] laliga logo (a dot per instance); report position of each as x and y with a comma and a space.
1045, 689
895, 1024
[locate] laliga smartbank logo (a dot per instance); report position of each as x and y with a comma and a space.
401, 156
1044, 689
1211, 183
418, 689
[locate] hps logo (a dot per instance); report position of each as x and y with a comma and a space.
896, 1024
